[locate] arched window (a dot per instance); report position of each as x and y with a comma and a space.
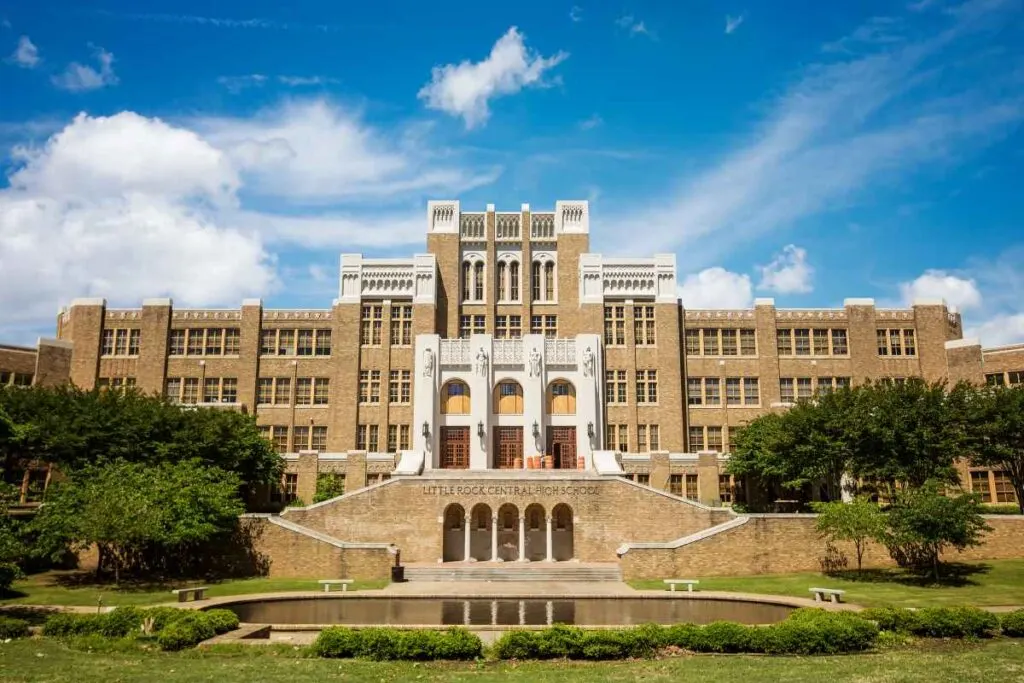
455, 398
549, 281
466, 283
513, 281
561, 398
508, 398
502, 289
535, 273
478, 281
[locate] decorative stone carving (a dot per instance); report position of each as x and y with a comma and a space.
588, 362
481, 362
535, 362
428, 363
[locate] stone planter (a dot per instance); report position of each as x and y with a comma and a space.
549, 462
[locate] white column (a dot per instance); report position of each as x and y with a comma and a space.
494, 612
522, 538
550, 556
549, 612
465, 612
466, 525
522, 612
494, 538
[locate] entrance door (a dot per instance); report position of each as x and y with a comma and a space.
454, 448
508, 445
562, 445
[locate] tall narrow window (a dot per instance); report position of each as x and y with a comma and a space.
478, 281
549, 282
535, 283
467, 274
513, 281
502, 272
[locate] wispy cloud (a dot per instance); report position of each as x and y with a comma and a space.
26, 55
576, 14
853, 121
465, 89
236, 84
222, 22
591, 122
82, 77
634, 26
732, 23
302, 81
788, 273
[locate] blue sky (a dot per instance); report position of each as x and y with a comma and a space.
805, 151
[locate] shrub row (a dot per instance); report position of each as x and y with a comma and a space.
173, 628
382, 644
11, 628
807, 632
937, 622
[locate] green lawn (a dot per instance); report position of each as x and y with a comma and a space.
984, 584
51, 661
76, 588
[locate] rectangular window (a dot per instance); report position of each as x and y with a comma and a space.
176, 343
784, 342
647, 386
615, 386
172, 389
694, 391
654, 437
321, 391
196, 342
121, 343
691, 487
107, 346
401, 324
729, 347
229, 390
733, 392
710, 338
544, 324
282, 391
303, 391
265, 391
643, 325
361, 437
787, 390
214, 342
883, 342
323, 342
614, 325
712, 391
802, 342
134, 337
403, 437
190, 390
392, 438
508, 327
291, 484
304, 343
369, 386
715, 439
286, 342
1004, 487
804, 388
748, 342
751, 391
211, 390
1016, 377
471, 324
821, 345
371, 325
842, 382
909, 343
995, 379
300, 437
675, 484
268, 342
692, 342
979, 484
232, 341
319, 438
895, 346
696, 440
372, 439
641, 439
824, 385
840, 346
725, 489
279, 437
617, 437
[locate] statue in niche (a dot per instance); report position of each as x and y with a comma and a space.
428, 363
535, 362
481, 362
588, 362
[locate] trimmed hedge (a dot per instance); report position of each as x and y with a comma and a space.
11, 628
384, 644
174, 629
1013, 623
936, 622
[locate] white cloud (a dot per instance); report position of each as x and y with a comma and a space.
999, 330
716, 288
576, 13
868, 108
788, 273
592, 122
26, 55
733, 23
465, 89
958, 292
236, 84
81, 77
634, 26
303, 81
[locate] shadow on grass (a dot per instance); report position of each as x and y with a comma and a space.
952, 575
125, 585
35, 616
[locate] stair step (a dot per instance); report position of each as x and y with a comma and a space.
513, 573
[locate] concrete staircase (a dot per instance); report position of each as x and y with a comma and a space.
513, 571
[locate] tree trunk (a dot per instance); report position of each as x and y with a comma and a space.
859, 545
935, 563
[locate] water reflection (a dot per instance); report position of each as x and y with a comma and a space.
506, 611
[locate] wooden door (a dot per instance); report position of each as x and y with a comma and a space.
454, 448
508, 445
562, 445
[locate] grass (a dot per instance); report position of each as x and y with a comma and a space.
47, 660
80, 588
984, 585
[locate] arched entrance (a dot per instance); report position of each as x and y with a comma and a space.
508, 533
561, 533
480, 532
453, 548
535, 533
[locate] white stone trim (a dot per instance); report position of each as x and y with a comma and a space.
305, 531
863, 301
685, 540
962, 343
159, 301
383, 279
604, 278
764, 301
89, 301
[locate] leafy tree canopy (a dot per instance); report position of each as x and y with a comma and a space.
996, 432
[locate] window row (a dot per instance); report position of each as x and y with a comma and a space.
896, 342
399, 386
648, 438
368, 438
207, 390
371, 327
994, 486
712, 438
204, 341
308, 342
707, 391
615, 325
508, 284
645, 385
277, 391
804, 341
303, 437
508, 398
713, 341
17, 379
120, 342
115, 382
792, 389
997, 379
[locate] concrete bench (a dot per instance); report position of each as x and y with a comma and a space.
186, 594
833, 594
689, 583
327, 583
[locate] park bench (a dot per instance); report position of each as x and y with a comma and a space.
186, 594
327, 583
833, 594
689, 583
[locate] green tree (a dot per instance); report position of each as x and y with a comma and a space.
12, 550
329, 485
124, 508
923, 522
859, 522
996, 432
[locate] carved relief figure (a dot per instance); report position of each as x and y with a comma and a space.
428, 363
588, 362
535, 362
481, 362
